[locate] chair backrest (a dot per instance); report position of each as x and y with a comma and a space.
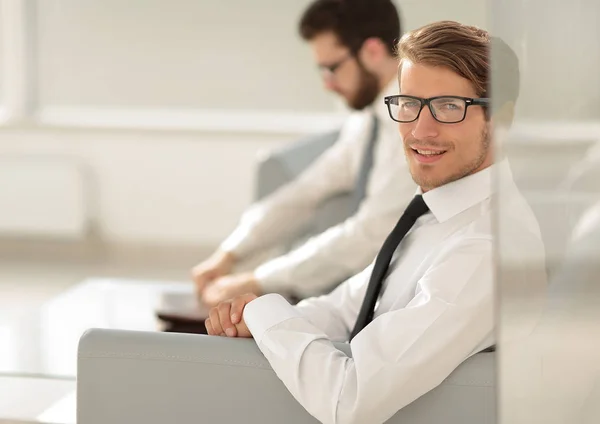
128, 377
284, 165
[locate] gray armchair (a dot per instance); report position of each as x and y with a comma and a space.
127, 377
136, 377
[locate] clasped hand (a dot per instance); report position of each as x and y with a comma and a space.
226, 319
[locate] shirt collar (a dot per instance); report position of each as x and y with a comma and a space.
451, 199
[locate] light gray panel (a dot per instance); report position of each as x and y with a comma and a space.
549, 374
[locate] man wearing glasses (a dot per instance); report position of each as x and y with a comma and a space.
353, 44
427, 302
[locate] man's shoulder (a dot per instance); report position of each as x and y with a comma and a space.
355, 125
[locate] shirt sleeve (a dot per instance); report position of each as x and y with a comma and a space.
288, 209
399, 356
343, 249
346, 248
336, 312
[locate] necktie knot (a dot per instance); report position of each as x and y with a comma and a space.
417, 207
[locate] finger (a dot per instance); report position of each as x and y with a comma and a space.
202, 277
242, 330
209, 328
237, 308
225, 317
211, 296
199, 280
215, 321
206, 284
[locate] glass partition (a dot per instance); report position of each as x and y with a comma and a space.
548, 300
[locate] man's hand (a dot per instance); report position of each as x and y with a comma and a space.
218, 265
227, 318
229, 287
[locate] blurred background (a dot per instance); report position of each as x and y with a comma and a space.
130, 133
131, 130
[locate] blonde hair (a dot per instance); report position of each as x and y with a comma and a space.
467, 51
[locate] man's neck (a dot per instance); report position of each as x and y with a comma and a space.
483, 166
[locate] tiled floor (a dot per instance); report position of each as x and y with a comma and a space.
28, 279
31, 400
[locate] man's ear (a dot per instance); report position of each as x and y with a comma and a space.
372, 52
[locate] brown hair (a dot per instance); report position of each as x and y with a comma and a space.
465, 50
353, 22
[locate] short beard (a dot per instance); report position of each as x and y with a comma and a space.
467, 169
368, 88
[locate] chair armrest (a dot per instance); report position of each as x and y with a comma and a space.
144, 377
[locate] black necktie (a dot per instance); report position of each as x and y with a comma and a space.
415, 209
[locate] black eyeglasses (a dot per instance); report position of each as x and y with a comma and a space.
444, 109
329, 70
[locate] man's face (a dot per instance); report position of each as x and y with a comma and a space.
448, 151
349, 77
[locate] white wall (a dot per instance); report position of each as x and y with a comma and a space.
237, 54
1, 57
180, 53
166, 103
148, 187
416, 13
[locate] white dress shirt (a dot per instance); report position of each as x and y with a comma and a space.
436, 309
350, 246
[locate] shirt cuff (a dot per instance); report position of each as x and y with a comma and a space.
266, 312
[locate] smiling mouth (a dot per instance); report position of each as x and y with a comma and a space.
429, 152
427, 156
